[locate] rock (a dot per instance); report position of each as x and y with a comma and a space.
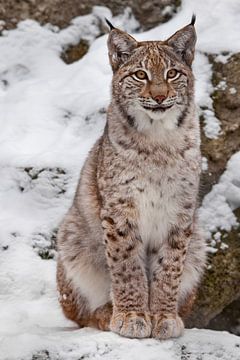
226, 104
75, 52
221, 284
229, 319
61, 12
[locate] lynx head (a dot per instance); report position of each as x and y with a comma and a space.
152, 77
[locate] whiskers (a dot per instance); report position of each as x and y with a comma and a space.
152, 104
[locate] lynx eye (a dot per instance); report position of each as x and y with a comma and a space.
140, 74
172, 73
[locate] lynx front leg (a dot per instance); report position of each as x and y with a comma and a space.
128, 275
166, 271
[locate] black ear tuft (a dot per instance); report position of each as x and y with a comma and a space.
109, 24
193, 20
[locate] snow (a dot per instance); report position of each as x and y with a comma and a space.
204, 163
217, 208
51, 114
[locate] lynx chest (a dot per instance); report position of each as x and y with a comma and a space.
158, 201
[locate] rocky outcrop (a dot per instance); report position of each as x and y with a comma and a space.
61, 12
226, 104
221, 284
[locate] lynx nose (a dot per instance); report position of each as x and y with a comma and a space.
159, 98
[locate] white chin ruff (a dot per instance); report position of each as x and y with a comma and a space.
166, 119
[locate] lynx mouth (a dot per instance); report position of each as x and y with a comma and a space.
156, 108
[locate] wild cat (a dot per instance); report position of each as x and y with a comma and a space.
130, 251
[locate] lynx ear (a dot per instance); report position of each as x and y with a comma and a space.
183, 42
120, 47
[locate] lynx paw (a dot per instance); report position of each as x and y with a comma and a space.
165, 328
131, 324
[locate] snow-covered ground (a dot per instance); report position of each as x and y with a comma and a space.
50, 115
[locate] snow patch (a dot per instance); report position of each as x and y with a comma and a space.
217, 208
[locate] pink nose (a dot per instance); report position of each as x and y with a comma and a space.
159, 98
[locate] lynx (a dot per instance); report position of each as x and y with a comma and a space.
130, 251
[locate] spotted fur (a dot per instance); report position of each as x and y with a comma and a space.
130, 251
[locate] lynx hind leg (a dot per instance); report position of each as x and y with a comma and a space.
76, 308
194, 267
185, 308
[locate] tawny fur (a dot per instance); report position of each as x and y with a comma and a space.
130, 251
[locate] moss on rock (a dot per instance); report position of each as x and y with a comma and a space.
221, 283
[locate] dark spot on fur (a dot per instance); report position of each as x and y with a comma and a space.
121, 201
73, 258
176, 276
129, 180
152, 203
188, 231
140, 189
121, 233
109, 220
130, 247
124, 267
130, 225
144, 151
176, 244
153, 251
131, 120
123, 144
188, 206
140, 314
160, 260
182, 116
179, 269
114, 259
166, 267
125, 256
124, 279
111, 237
